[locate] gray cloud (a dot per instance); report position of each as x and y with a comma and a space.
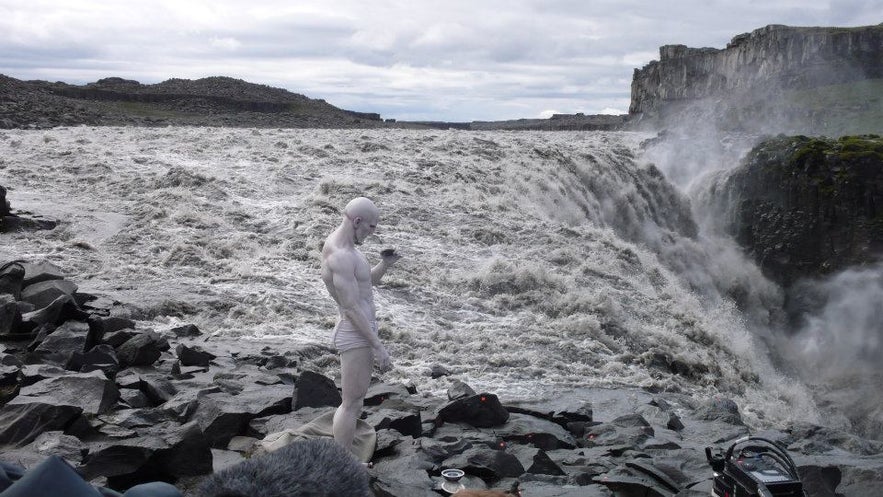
456, 60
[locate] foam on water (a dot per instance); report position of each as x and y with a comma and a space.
532, 261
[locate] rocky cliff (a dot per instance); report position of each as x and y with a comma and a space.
764, 76
808, 206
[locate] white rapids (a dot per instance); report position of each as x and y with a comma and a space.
533, 261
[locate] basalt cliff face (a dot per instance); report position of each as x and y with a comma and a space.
767, 75
808, 206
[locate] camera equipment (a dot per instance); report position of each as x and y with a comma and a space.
387, 252
760, 468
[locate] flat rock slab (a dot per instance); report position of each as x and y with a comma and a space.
92, 393
43, 293
41, 271
22, 423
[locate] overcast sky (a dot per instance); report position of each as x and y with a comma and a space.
451, 60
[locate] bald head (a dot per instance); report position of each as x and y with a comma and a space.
361, 207
362, 216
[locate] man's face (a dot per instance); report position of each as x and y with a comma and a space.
364, 228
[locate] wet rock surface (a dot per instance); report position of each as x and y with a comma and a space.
805, 207
178, 417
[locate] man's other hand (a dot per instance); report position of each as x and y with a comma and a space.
382, 359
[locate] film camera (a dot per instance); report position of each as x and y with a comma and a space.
754, 467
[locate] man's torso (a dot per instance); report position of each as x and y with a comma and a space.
362, 275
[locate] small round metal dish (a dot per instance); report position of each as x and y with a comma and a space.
453, 474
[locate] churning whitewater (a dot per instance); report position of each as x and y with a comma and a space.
533, 261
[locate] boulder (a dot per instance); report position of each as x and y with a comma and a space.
101, 326
403, 475
12, 279
223, 459
223, 416
22, 422
5, 206
380, 392
188, 452
437, 371
562, 410
157, 388
32, 373
16, 223
444, 448
92, 393
71, 448
58, 311
143, 349
397, 415
386, 443
118, 337
61, 345
624, 433
265, 425
720, 409
536, 461
10, 315
540, 433
314, 390
98, 358
166, 451
10, 378
43, 293
188, 330
481, 411
41, 271
193, 356
134, 398
119, 457
820, 481
486, 463
459, 390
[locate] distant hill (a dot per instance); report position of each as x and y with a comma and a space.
214, 101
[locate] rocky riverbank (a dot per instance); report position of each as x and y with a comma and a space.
127, 404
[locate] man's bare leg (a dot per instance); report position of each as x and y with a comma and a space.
355, 371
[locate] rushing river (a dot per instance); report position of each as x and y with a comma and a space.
532, 260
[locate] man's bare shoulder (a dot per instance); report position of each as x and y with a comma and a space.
339, 259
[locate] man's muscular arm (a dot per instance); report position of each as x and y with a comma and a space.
386, 262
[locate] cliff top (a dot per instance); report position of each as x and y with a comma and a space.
675, 51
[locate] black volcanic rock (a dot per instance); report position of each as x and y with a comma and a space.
5, 207
312, 389
808, 206
482, 411
143, 349
12, 276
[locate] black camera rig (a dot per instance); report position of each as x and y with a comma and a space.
759, 468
